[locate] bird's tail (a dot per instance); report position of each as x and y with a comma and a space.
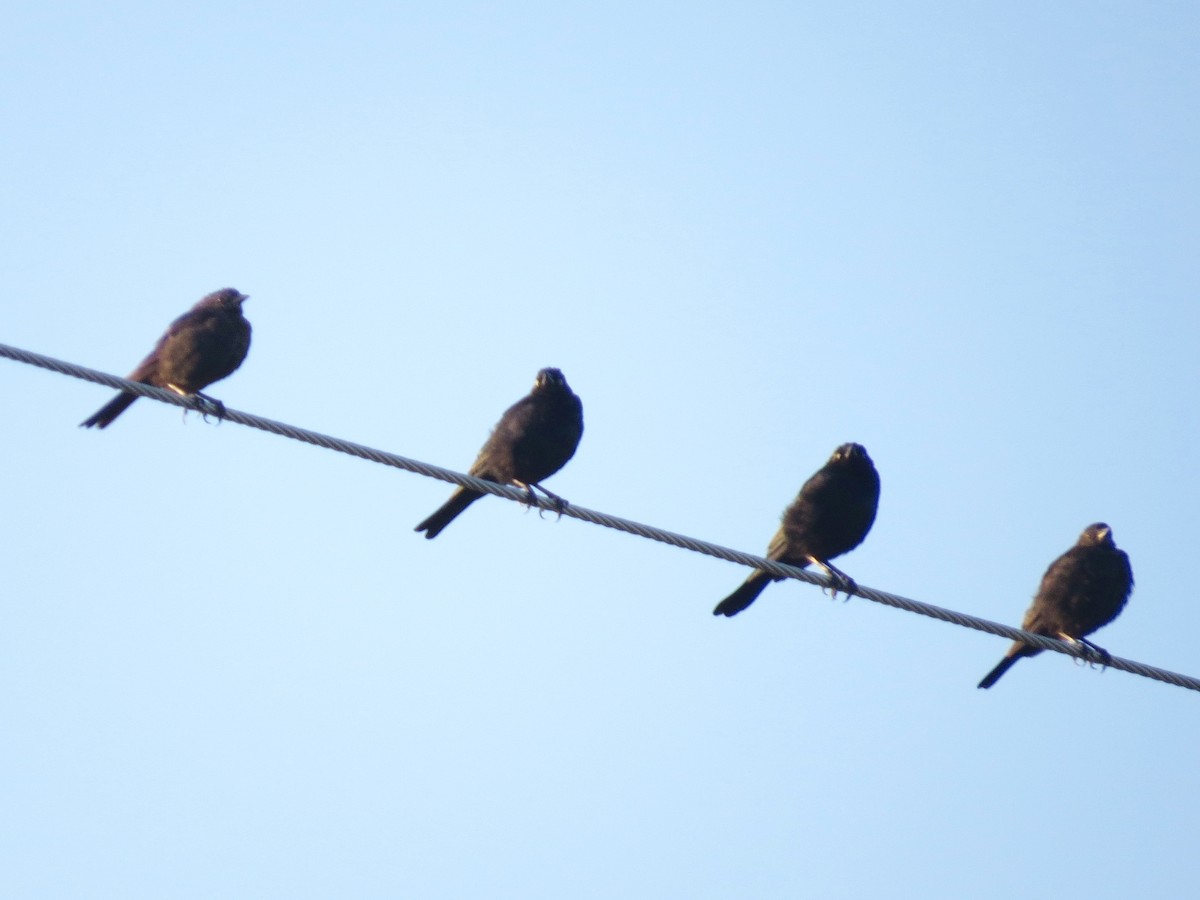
744, 595
104, 416
1018, 650
445, 514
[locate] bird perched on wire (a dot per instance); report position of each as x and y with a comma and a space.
205, 344
533, 439
1083, 590
830, 516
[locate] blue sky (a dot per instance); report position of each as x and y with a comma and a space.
963, 237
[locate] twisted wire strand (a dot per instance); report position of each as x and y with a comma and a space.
596, 518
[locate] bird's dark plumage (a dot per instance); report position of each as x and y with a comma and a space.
203, 345
830, 516
533, 439
1083, 590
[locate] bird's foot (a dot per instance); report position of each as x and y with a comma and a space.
209, 406
530, 500
1093, 655
557, 502
840, 581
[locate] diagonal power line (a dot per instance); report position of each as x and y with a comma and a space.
593, 516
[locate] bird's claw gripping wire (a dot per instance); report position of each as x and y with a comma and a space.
1093, 655
204, 404
840, 581
209, 406
557, 502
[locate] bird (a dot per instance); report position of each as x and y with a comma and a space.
534, 438
1082, 591
205, 344
830, 516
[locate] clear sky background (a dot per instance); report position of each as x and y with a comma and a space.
964, 235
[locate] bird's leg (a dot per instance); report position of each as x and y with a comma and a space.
530, 497
1093, 653
182, 393
205, 405
559, 503
840, 580
1104, 656
209, 406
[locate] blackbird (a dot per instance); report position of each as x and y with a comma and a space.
205, 344
1083, 590
830, 516
533, 439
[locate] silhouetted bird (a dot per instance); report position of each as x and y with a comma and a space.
1083, 590
830, 516
203, 345
533, 439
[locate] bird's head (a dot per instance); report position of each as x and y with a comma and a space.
550, 378
850, 452
226, 298
1095, 535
